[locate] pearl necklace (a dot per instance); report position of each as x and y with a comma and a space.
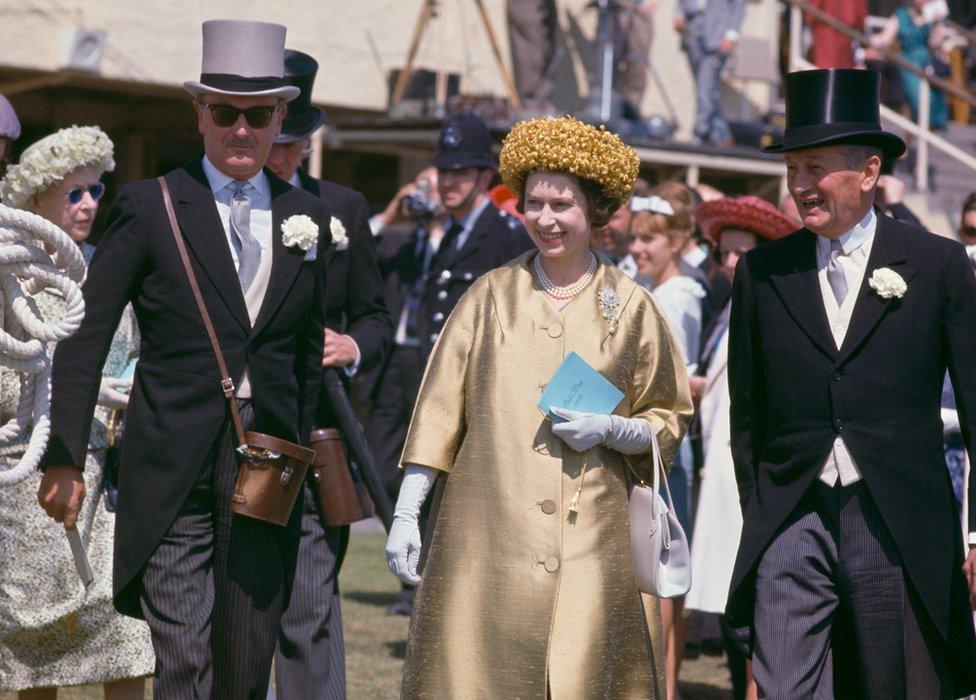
569, 291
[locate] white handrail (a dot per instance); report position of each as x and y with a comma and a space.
924, 136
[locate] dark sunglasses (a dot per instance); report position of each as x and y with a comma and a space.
96, 191
226, 115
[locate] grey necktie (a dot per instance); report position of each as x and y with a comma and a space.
247, 247
835, 273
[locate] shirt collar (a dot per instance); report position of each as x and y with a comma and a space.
219, 180
856, 237
294, 180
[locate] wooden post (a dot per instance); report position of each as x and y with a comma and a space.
418, 33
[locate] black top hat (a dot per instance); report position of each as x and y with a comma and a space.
303, 118
835, 106
464, 143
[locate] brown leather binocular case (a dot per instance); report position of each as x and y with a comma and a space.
342, 500
270, 477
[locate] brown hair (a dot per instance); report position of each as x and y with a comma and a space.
599, 207
680, 224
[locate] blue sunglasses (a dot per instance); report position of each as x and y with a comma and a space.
96, 191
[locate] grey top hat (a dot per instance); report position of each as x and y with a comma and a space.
243, 59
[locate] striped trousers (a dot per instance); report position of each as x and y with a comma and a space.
214, 590
311, 658
835, 614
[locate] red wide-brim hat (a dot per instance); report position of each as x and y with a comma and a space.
749, 213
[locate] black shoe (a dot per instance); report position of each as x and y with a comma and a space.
403, 605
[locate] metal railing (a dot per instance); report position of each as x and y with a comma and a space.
920, 130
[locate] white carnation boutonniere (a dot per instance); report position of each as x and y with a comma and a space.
887, 283
338, 231
610, 307
299, 230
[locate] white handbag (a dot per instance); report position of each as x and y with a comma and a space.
658, 544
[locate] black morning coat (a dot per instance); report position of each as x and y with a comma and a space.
177, 408
793, 393
496, 238
354, 289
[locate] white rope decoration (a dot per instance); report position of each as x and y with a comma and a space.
26, 339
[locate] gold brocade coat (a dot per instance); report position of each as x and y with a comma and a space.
516, 591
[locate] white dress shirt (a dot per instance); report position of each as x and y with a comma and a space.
260, 226
856, 249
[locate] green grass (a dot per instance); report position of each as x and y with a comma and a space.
375, 641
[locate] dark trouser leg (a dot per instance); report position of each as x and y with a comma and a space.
177, 597
397, 394
895, 649
311, 658
796, 600
253, 564
737, 662
531, 31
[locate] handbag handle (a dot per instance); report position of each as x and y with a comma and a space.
226, 383
656, 480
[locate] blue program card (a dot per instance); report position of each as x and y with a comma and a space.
579, 387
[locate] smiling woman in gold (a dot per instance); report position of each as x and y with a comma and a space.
528, 587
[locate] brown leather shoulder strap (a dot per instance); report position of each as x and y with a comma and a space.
226, 383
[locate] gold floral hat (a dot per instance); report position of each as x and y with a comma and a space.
567, 145
49, 160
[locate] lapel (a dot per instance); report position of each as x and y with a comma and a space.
310, 184
797, 285
285, 262
870, 308
204, 233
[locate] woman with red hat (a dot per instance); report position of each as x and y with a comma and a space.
734, 226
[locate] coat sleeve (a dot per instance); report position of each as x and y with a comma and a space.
113, 280
368, 321
439, 424
747, 407
661, 394
958, 330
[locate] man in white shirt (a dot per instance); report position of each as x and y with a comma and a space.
849, 579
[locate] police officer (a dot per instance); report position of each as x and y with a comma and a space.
479, 235
310, 659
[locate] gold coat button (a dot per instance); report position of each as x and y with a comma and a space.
548, 506
552, 565
555, 330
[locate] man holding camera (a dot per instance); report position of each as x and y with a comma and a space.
459, 235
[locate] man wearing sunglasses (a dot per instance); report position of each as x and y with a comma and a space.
211, 585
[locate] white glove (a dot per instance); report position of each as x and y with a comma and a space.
403, 544
111, 392
584, 431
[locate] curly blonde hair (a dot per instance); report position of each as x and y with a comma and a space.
49, 160
567, 145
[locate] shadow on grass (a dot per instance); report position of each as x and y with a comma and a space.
377, 598
702, 691
398, 648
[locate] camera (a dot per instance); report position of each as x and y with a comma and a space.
419, 204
